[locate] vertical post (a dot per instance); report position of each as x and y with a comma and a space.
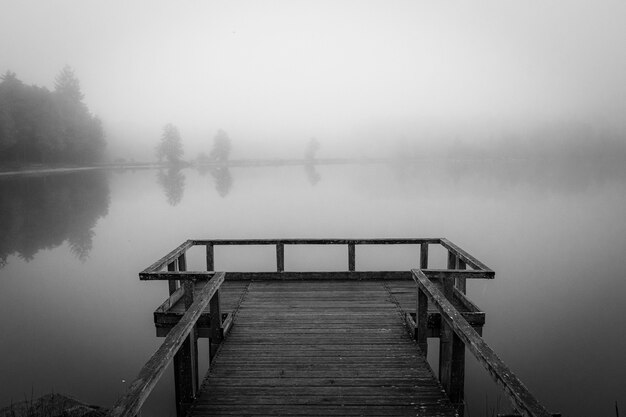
451, 260
351, 257
461, 283
424, 256
445, 341
210, 259
173, 284
422, 321
456, 389
280, 257
216, 335
186, 359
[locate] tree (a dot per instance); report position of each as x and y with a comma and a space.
170, 147
67, 85
221, 147
311, 149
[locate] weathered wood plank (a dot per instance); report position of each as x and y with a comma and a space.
309, 351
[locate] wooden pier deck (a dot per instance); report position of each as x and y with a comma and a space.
321, 343
320, 348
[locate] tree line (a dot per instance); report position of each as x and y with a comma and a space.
42, 126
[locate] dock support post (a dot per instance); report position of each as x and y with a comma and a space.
452, 354
422, 321
351, 257
456, 389
280, 257
445, 339
216, 335
186, 359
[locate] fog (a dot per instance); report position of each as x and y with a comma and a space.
281, 72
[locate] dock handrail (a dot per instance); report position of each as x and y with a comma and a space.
458, 270
517, 392
130, 404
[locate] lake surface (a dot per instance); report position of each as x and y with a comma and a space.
77, 320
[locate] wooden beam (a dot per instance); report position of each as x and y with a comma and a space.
389, 241
130, 404
521, 398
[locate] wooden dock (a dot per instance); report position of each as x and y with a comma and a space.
320, 348
320, 343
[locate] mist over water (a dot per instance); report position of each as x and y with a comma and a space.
555, 246
498, 125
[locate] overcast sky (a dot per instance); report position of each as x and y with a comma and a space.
325, 68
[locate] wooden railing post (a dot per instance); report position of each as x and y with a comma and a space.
422, 321
351, 257
445, 339
280, 257
456, 388
461, 283
173, 284
451, 350
216, 335
210, 259
424, 256
186, 379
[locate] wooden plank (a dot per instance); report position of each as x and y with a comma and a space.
522, 399
130, 404
311, 353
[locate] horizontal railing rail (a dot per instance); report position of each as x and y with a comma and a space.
458, 259
130, 404
465, 336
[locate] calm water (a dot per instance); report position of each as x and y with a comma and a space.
76, 319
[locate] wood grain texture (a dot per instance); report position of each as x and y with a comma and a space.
320, 348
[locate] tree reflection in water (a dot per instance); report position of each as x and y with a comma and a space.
172, 181
311, 173
43, 212
223, 180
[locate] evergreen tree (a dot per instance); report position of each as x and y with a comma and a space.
170, 147
221, 147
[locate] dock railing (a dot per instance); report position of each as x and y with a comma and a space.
455, 332
178, 346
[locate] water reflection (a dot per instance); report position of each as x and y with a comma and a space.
311, 173
172, 181
43, 212
223, 180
